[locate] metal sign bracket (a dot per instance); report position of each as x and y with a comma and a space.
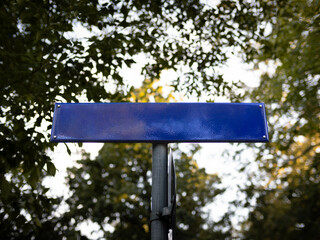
166, 212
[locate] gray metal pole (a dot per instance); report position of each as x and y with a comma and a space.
159, 227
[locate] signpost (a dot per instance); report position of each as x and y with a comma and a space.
172, 196
160, 124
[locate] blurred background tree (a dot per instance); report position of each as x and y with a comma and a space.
284, 197
114, 191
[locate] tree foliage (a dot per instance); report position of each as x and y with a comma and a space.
286, 191
115, 189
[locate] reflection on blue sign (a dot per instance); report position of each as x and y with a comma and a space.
159, 122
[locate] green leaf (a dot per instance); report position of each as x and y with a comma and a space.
68, 149
34, 177
51, 169
37, 221
4, 187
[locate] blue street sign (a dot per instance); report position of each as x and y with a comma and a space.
159, 122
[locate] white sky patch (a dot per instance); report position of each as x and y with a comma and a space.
132, 76
91, 229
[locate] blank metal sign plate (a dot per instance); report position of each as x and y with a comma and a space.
159, 122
